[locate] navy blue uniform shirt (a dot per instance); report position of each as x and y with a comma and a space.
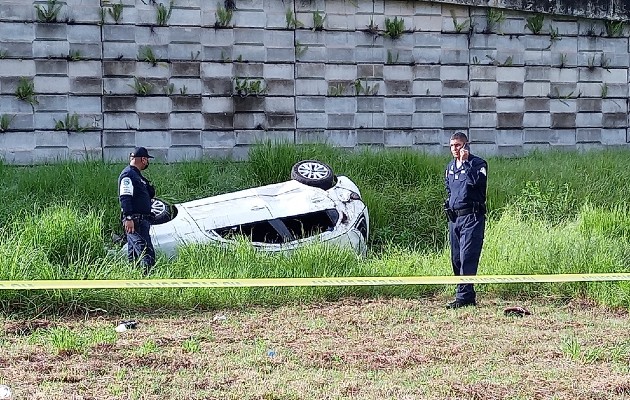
135, 192
466, 184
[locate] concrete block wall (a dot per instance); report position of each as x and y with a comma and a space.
172, 87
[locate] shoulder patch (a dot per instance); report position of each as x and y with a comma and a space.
483, 170
126, 187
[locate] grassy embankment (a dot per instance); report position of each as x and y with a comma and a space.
549, 213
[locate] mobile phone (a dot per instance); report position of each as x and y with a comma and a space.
465, 147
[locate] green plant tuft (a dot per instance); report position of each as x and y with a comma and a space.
336, 90
5, 122
364, 88
554, 34
614, 28
318, 21
394, 28
459, 26
142, 88
65, 341
249, 87
291, 20
70, 124
223, 16
563, 60
191, 345
535, 23
163, 13
74, 55
116, 12
146, 348
169, 89
300, 49
146, 54
494, 19
391, 58
25, 91
48, 13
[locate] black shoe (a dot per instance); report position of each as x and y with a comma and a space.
460, 304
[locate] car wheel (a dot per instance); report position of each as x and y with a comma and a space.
161, 211
313, 173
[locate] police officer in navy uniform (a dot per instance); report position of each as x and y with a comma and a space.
466, 182
135, 194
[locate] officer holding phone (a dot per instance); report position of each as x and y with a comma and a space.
465, 206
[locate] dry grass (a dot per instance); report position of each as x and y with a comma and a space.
353, 349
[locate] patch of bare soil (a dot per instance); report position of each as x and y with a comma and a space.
351, 349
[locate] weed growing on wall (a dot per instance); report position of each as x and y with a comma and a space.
249, 87
163, 13
223, 16
74, 55
392, 58
604, 62
291, 20
336, 90
70, 123
142, 88
394, 28
25, 91
49, 12
318, 21
5, 122
554, 35
146, 54
169, 89
363, 88
300, 49
563, 60
494, 19
459, 26
535, 23
372, 28
116, 12
614, 28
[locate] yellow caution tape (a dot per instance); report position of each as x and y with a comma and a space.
333, 281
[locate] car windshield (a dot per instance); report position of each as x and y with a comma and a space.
283, 230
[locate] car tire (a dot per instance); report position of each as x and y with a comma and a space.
161, 211
313, 173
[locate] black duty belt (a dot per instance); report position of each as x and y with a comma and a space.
141, 216
470, 210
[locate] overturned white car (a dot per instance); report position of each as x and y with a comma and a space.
315, 206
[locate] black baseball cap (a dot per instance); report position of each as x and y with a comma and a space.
140, 152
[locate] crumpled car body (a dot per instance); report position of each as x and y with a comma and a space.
276, 218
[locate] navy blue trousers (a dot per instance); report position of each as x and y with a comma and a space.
466, 238
139, 246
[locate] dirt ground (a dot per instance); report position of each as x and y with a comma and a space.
352, 349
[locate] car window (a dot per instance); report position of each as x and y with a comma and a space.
261, 231
311, 224
282, 230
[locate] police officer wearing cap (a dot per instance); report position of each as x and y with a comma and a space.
466, 183
135, 194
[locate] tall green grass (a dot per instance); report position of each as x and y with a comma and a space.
549, 213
